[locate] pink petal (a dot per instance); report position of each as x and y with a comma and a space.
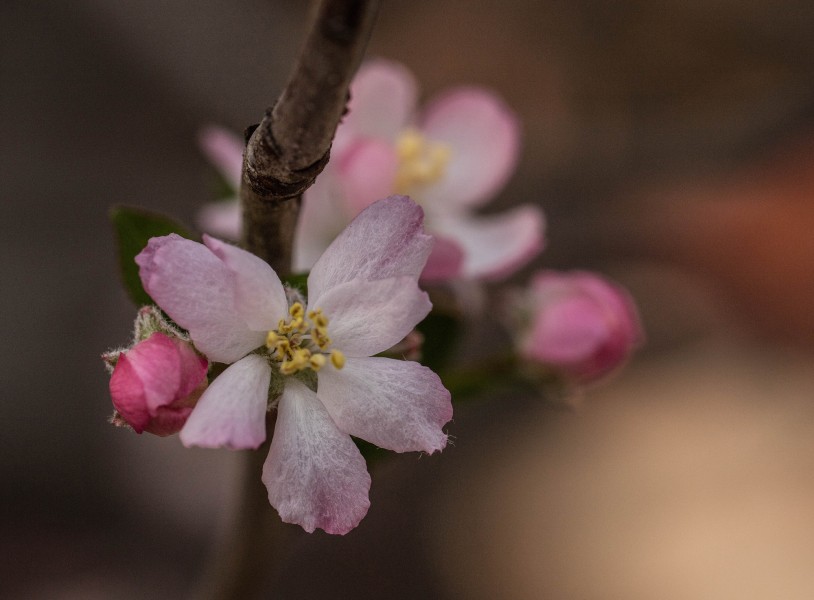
197, 290
445, 262
193, 368
127, 393
322, 219
398, 405
386, 240
168, 420
224, 150
368, 317
259, 294
154, 366
232, 410
495, 246
315, 475
567, 331
155, 384
484, 137
224, 219
382, 99
584, 325
367, 170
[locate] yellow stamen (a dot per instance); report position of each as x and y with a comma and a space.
317, 361
337, 359
297, 311
409, 144
421, 161
271, 339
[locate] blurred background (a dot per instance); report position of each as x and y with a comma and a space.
672, 147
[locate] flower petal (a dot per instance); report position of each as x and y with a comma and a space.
395, 404
322, 219
224, 150
197, 290
496, 245
382, 100
223, 218
127, 393
445, 262
368, 317
156, 364
232, 410
259, 294
193, 369
367, 170
584, 325
386, 240
485, 140
315, 474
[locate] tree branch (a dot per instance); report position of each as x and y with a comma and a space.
291, 145
283, 157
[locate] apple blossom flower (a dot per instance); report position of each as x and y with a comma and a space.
578, 323
312, 360
451, 158
156, 383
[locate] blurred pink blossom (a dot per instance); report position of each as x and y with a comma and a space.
452, 158
315, 361
224, 150
581, 324
156, 383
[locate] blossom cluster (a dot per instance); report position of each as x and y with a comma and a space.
228, 343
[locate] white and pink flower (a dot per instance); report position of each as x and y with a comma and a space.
452, 158
314, 362
577, 323
156, 383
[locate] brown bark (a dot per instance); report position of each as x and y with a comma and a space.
291, 145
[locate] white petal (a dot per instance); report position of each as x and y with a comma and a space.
196, 289
259, 294
385, 240
495, 245
232, 410
224, 149
314, 473
368, 317
484, 138
322, 219
398, 405
223, 219
382, 99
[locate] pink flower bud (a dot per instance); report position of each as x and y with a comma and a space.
581, 324
156, 383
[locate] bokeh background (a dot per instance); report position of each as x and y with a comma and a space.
672, 147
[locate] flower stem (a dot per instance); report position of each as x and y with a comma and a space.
242, 566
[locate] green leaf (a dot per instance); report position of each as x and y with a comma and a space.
134, 227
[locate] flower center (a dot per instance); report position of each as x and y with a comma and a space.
421, 161
302, 342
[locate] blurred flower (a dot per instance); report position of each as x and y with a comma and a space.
451, 158
314, 360
579, 324
224, 150
156, 383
